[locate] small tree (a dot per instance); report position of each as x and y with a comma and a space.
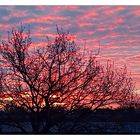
37, 80
133, 103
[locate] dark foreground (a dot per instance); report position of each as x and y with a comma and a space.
103, 121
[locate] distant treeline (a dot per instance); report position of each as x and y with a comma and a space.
100, 115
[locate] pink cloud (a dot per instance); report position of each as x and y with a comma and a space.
43, 19
85, 24
113, 10
15, 14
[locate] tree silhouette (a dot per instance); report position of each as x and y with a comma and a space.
55, 76
132, 103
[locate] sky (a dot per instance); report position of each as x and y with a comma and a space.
115, 28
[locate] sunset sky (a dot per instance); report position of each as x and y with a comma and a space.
117, 28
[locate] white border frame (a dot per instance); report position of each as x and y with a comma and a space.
69, 2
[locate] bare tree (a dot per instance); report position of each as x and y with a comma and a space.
37, 80
133, 103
